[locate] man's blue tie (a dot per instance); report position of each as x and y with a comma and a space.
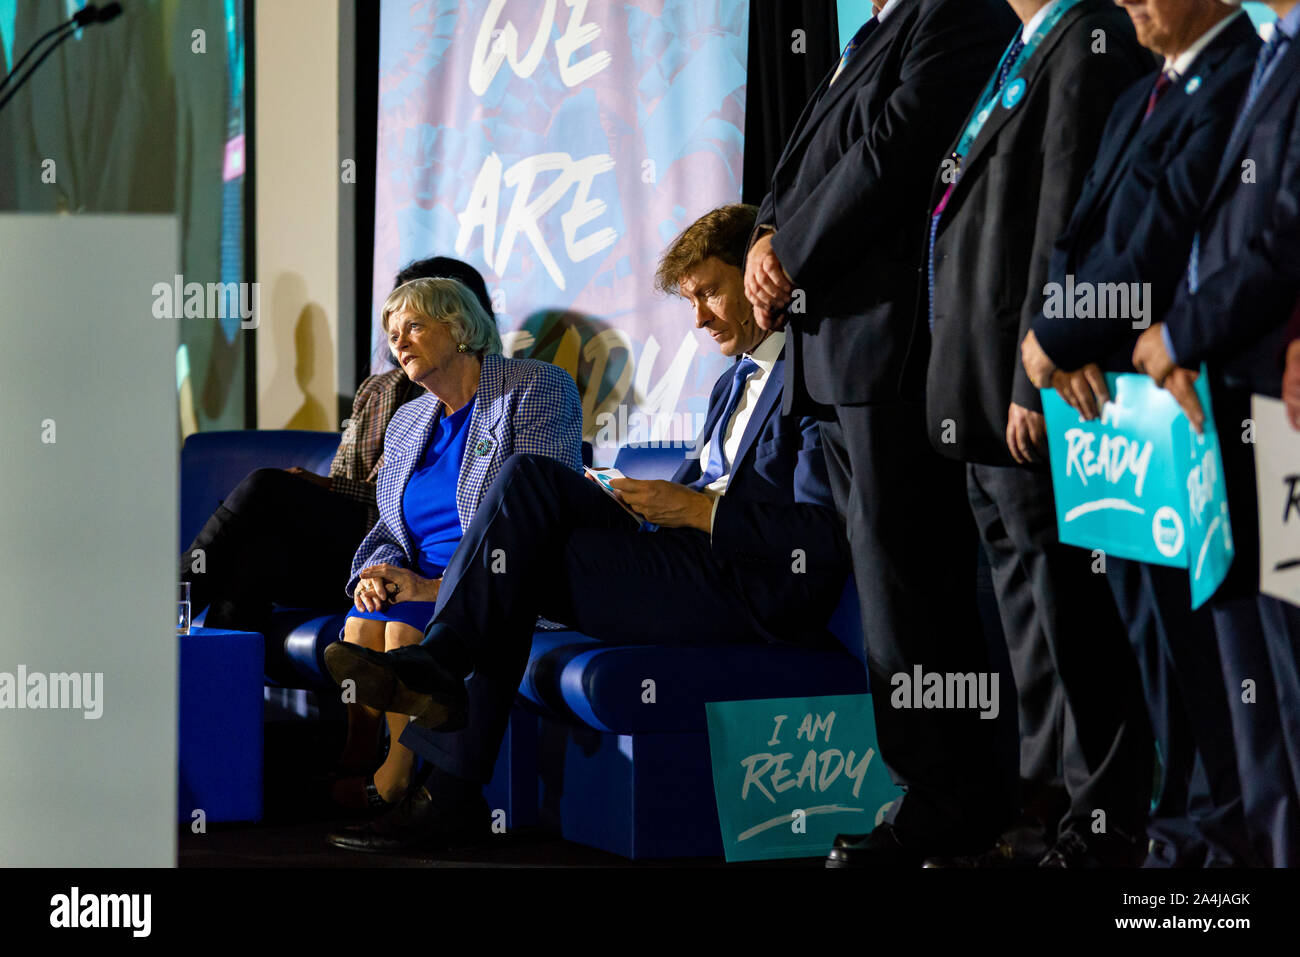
854, 45
717, 465
1267, 57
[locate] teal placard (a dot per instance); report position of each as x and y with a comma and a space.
1209, 532
1140, 483
1114, 478
791, 773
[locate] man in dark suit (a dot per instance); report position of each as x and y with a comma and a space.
748, 548
999, 204
844, 222
1132, 229
1243, 277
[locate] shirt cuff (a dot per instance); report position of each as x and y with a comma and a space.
1169, 343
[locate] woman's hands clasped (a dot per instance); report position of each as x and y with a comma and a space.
383, 585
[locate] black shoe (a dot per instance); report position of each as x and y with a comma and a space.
1003, 854
1074, 850
848, 840
406, 680
417, 823
1022, 845
879, 849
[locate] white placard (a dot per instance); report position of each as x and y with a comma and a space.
1277, 478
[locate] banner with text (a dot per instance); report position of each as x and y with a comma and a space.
791, 773
1277, 478
1140, 483
558, 148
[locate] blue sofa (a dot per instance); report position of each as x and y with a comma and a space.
583, 754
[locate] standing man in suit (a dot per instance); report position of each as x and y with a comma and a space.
998, 205
836, 257
1133, 227
546, 540
1243, 277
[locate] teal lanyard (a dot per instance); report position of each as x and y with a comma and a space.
988, 99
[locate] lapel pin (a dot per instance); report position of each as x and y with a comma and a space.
1193, 85
1014, 93
483, 447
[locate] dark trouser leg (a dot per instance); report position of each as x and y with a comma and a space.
275, 538
1040, 699
574, 557
1281, 623
1198, 815
1108, 754
1268, 788
914, 561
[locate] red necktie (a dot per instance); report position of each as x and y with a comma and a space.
1163, 82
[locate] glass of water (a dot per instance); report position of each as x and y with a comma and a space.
183, 609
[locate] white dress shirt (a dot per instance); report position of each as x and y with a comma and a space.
765, 356
1037, 20
887, 9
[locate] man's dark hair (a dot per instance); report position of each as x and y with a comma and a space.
723, 232
444, 267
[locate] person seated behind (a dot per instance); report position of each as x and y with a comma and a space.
287, 536
441, 453
748, 548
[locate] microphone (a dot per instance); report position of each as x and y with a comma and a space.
93, 14
88, 16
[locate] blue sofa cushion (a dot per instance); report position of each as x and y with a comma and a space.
602, 685
213, 463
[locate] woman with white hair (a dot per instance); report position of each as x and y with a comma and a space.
441, 452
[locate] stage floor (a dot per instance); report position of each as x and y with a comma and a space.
297, 817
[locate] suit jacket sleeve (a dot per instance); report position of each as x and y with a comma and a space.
1081, 105
831, 229
1253, 293
547, 417
363, 414
380, 545
768, 532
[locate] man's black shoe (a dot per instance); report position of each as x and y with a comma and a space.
848, 840
880, 849
418, 823
1073, 850
406, 680
1022, 845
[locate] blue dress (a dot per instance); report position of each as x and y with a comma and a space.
429, 508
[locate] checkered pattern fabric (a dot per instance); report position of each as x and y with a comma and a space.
522, 406
355, 468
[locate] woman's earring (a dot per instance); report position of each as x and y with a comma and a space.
462, 348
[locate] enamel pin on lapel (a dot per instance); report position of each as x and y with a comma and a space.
483, 448
1014, 94
1193, 85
